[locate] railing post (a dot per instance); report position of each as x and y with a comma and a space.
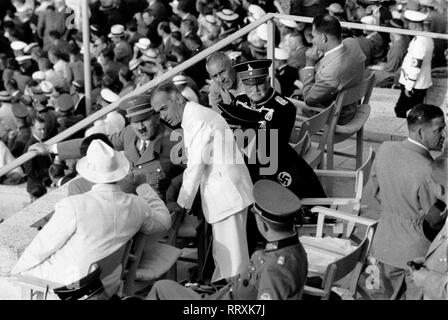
271, 49
86, 45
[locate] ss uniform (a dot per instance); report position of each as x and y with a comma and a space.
415, 76
277, 272
273, 112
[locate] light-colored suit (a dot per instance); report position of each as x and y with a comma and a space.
337, 70
397, 187
88, 227
216, 165
436, 282
226, 186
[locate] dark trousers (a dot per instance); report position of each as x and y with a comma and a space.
405, 103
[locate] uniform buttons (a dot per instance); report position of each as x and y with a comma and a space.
139, 167
261, 261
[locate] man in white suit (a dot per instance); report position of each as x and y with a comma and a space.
216, 165
88, 227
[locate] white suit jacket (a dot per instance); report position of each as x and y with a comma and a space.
86, 228
215, 163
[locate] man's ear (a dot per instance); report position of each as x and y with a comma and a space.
325, 38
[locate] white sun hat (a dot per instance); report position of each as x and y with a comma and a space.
102, 164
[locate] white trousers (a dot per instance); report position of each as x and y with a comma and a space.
230, 250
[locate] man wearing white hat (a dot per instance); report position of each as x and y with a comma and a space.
18, 47
122, 49
285, 74
415, 77
86, 228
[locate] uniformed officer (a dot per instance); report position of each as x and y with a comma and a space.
277, 272
66, 115
262, 105
264, 108
146, 143
18, 138
415, 77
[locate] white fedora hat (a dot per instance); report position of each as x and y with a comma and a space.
227, 15
280, 54
116, 30
102, 164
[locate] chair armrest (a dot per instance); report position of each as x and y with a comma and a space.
34, 283
313, 291
328, 201
342, 215
336, 173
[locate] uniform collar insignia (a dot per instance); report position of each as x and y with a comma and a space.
249, 67
275, 245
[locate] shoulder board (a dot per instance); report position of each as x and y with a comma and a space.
281, 100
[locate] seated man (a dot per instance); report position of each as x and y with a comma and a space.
86, 228
431, 272
146, 143
277, 272
332, 65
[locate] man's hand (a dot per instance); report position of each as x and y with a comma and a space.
312, 55
12, 134
173, 207
408, 93
41, 148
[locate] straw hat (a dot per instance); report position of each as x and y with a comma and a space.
227, 15
117, 30
102, 164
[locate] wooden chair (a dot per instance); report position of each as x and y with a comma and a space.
349, 203
147, 263
345, 266
33, 285
338, 133
319, 123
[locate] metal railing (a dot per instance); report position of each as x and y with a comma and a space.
268, 18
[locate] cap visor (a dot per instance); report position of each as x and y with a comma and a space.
254, 81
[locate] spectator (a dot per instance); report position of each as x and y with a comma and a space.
415, 78
431, 276
18, 138
331, 66
36, 169
86, 228
397, 193
35, 189
122, 49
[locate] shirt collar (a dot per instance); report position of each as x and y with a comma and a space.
156, 143
106, 187
334, 49
418, 144
275, 245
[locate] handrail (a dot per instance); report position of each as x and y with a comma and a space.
369, 27
193, 60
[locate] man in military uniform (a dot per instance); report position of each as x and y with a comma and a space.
66, 115
277, 272
18, 138
146, 144
263, 108
415, 77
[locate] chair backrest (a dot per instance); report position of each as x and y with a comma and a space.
368, 83
317, 123
300, 146
363, 173
111, 262
132, 262
344, 266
